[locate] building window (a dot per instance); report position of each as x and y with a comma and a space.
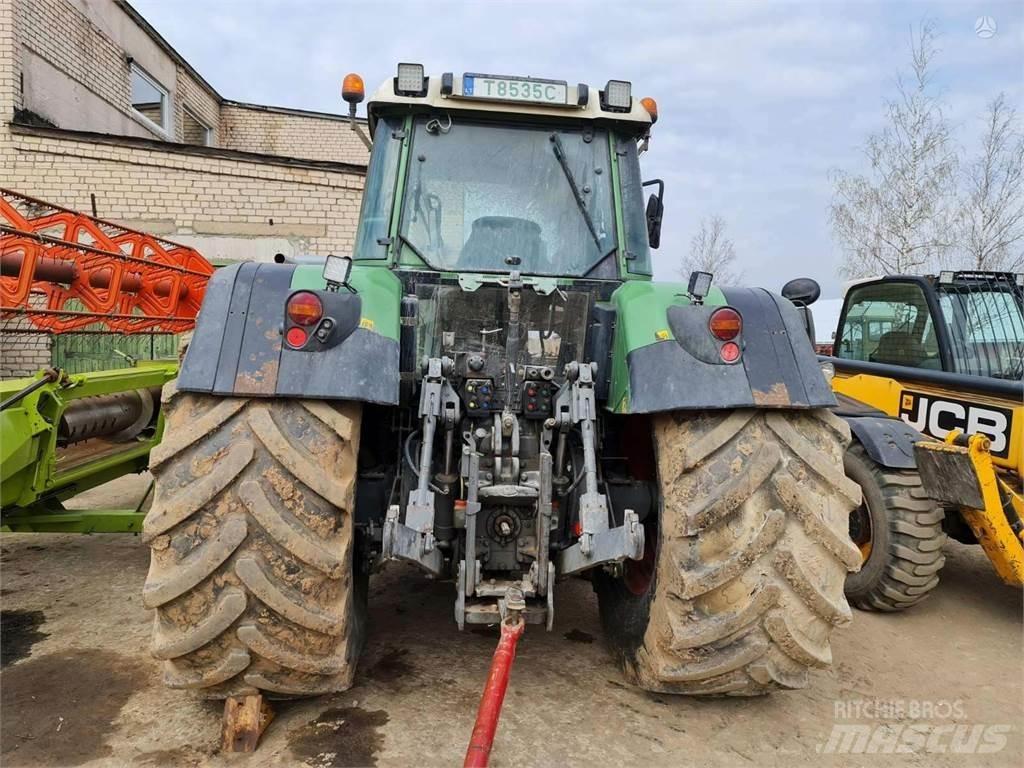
194, 130
150, 100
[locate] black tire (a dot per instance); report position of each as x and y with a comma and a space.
751, 551
251, 535
899, 530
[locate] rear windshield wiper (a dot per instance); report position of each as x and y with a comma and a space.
556, 145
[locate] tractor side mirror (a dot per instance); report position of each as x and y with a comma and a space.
802, 291
655, 211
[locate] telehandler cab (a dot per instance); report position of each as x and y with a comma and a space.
493, 389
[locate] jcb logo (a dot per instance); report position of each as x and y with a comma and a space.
938, 416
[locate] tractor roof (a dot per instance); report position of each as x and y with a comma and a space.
448, 93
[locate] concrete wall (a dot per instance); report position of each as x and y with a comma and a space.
200, 103
71, 55
276, 131
22, 352
10, 69
76, 73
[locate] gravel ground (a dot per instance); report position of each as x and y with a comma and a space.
79, 687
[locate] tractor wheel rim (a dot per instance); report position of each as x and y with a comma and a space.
860, 530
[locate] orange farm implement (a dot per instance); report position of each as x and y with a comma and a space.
66, 272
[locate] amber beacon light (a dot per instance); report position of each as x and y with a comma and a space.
352, 89
651, 106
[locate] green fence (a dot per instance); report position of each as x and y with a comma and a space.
85, 352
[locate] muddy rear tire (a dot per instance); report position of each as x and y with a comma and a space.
751, 554
251, 535
900, 531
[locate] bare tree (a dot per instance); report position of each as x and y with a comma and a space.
897, 218
711, 251
992, 210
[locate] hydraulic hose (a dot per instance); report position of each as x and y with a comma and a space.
412, 464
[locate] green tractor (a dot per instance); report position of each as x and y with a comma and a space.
493, 389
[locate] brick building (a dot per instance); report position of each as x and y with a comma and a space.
94, 102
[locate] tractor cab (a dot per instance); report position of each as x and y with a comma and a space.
493, 175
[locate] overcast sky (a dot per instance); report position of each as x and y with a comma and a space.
758, 100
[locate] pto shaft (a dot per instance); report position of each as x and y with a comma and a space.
479, 751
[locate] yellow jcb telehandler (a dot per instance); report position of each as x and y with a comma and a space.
945, 354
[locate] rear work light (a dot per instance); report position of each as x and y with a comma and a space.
725, 324
617, 96
410, 80
304, 308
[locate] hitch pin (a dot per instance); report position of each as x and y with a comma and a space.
512, 625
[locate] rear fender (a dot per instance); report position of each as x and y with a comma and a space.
238, 346
665, 358
888, 441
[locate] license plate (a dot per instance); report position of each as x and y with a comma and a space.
495, 88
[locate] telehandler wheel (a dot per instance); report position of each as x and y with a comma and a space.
252, 571
898, 530
750, 551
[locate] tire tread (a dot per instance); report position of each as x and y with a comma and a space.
753, 552
915, 539
252, 540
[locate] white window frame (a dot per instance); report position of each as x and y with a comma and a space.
166, 111
208, 129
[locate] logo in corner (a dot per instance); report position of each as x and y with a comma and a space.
985, 27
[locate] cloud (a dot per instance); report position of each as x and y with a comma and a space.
758, 100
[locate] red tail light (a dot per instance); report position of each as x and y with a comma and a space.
296, 337
730, 352
725, 324
304, 308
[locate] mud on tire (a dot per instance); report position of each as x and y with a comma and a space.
752, 553
251, 536
906, 539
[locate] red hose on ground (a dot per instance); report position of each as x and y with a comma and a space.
479, 751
